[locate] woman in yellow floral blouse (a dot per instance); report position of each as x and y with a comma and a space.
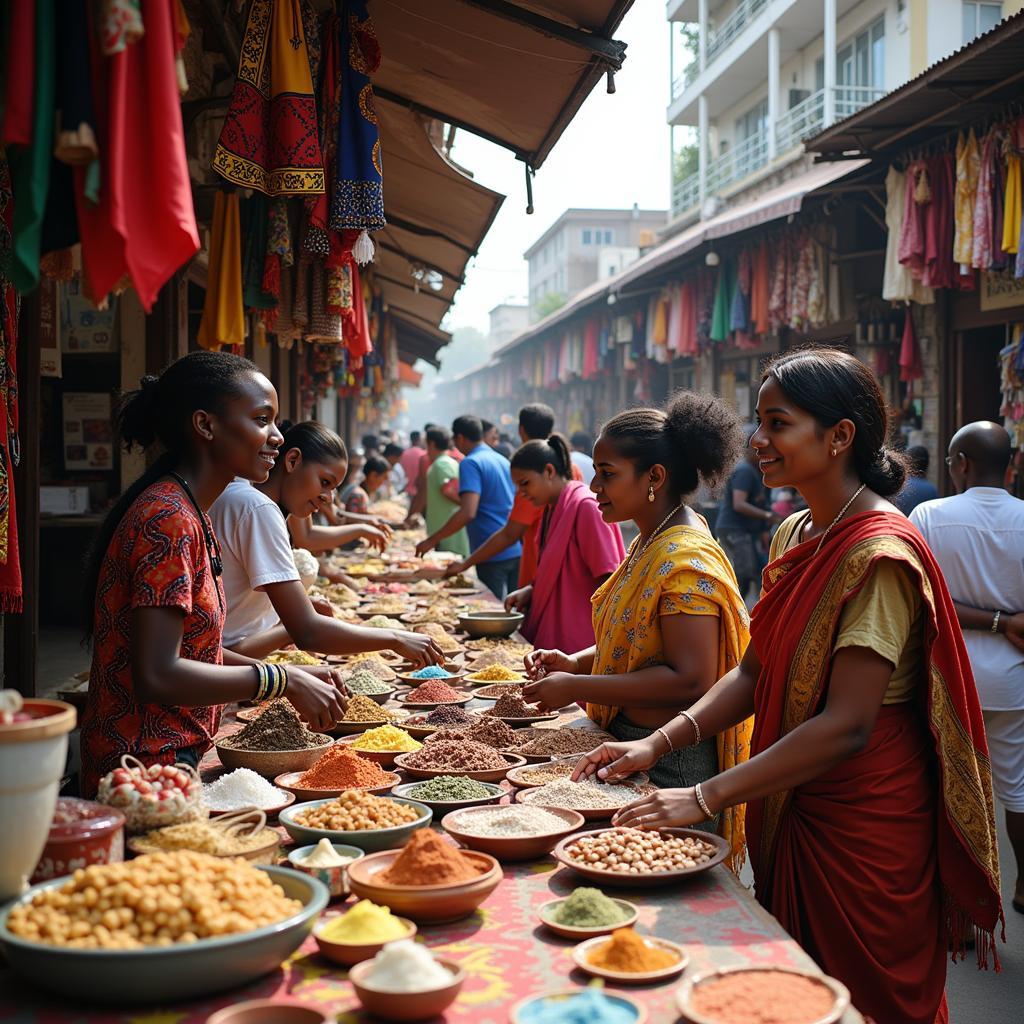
669, 621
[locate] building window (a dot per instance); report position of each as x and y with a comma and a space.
609, 236
979, 18
860, 65
753, 122
586, 236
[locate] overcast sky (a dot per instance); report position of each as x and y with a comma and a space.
614, 153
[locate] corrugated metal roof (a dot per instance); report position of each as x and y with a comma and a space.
967, 87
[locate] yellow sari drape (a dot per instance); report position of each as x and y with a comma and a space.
684, 571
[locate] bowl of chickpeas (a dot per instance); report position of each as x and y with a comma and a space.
357, 818
162, 927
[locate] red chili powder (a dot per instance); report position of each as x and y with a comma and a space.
427, 859
434, 692
762, 997
342, 768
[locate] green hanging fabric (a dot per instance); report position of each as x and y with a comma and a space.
722, 310
254, 213
30, 165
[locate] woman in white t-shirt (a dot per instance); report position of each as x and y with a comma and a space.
267, 606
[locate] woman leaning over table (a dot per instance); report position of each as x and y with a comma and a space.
869, 805
155, 603
669, 621
577, 549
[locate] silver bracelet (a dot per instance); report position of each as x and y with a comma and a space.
702, 803
667, 740
693, 722
995, 621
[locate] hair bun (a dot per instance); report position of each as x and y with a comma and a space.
887, 473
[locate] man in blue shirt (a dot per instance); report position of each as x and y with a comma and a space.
917, 488
486, 493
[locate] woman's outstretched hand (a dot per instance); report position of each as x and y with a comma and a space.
612, 761
664, 808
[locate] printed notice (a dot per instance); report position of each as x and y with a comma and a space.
88, 433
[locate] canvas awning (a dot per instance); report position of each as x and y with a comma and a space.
964, 89
417, 338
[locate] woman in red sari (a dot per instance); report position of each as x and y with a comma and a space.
869, 810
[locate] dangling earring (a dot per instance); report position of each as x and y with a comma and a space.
650, 493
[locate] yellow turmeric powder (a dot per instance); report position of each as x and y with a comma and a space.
628, 952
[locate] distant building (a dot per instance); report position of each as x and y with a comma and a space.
581, 246
507, 320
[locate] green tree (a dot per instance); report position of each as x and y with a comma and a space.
549, 302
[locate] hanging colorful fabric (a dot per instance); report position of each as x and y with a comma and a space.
316, 241
254, 213
357, 203
120, 25
910, 355
269, 139
300, 308
324, 327
223, 321
723, 300
10, 565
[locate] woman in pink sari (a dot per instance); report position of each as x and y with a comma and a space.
578, 549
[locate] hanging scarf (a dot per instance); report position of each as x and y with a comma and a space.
10, 564
269, 139
910, 355
254, 215
223, 321
357, 203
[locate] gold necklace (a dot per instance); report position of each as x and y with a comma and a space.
842, 512
638, 554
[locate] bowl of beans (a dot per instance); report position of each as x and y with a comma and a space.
356, 818
150, 946
755, 995
641, 858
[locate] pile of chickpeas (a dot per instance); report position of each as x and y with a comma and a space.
355, 811
636, 852
157, 899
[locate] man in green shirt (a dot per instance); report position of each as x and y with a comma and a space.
443, 490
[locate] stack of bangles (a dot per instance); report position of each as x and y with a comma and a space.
272, 681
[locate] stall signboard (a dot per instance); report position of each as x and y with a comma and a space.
83, 327
1001, 291
88, 432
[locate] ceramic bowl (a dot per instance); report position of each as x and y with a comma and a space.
167, 974
368, 840
516, 723
336, 879
415, 705
506, 848
495, 793
525, 796
684, 996
655, 878
524, 1012
349, 953
480, 624
269, 1011
354, 728
270, 763
289, 781
568, 931
288, 798
402, 1006
385, 758
428, 904
585, 950
382, 698
483, 775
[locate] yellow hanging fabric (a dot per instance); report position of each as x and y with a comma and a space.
223, 320
1012, 208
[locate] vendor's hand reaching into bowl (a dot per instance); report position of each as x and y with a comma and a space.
417, 648
540, 663
319, 701
519, 600
664, 808
553, 691
611, 762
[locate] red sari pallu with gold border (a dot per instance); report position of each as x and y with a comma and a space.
877, 865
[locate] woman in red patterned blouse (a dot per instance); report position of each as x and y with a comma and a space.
155, 602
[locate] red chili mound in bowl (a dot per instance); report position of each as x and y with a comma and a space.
762, 997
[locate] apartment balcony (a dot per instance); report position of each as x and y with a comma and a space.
752, 154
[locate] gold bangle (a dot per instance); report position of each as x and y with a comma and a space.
702, 803
693, 722
667, 740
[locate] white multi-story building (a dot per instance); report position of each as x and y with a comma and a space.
769, 73
507, 319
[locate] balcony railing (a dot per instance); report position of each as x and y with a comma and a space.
805, 119
851, 98
721, 36
738, 162
686, 194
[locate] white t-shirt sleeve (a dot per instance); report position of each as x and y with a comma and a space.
264, 548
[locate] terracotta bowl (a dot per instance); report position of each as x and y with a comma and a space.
268, 1011
684, 995
510, 847
411, 705
336, 879
401, 1006
428, 904
655, 878
444, 806
386, 758
567, 931
349, 953
584, 950
270, 812
523, 796
354, 728
270, 763
368, 840
289, 781
521, 1011
485, 775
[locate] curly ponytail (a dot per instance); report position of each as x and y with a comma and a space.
160, 410
833, 385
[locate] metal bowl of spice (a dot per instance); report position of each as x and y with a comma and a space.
512, 832
357, 818
276, 741
445, 793
481, 624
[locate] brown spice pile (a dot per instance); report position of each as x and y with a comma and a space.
277, 728
455, 755
510, 705
562, 741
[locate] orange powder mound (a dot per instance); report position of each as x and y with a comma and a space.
627, 951
342, 768
762, 997
427, 859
